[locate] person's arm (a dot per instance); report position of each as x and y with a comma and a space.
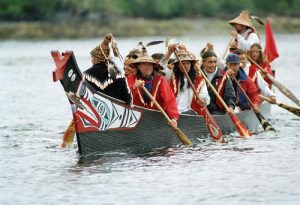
263, 86
252, 92
229, 94
246, 44
169, 101
131, 80
204, 94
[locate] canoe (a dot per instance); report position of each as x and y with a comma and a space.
103, 123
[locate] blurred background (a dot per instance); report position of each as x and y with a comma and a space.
43, 19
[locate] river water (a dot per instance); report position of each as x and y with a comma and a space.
35, 112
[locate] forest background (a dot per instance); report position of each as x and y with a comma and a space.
57, 19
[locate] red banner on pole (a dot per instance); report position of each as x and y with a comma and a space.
270, 51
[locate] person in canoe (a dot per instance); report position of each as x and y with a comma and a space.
186, 100
222, 84
257, 55
233, 68
255, 75
245, 33
104, 76
156, 84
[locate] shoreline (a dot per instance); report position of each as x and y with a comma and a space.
129, 27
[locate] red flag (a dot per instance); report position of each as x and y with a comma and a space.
270, 50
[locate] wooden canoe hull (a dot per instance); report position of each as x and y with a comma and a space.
104, 124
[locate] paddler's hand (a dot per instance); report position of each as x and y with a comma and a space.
230, 111
201, 102
138, 84
273, 99
234, 33
256, 108
229, 72
171, 49
209, 47
173, 123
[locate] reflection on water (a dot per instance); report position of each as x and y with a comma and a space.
35, 112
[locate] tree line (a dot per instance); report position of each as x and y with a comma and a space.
108, 10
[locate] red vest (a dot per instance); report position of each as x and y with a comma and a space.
160, 90
220, 89
253, 75
174, 84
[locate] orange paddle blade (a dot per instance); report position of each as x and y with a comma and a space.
68, 135
241, 128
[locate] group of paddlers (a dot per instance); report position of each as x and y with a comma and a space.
182, 84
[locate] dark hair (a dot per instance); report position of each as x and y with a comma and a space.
180, 75
260, 56
208, 54
239, 52
139, 74
171, 60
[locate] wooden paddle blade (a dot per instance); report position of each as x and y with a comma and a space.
243, 131
212, 127
182, 137
68, 135
264, 123
291, 109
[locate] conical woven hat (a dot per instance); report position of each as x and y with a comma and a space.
101, 52
144, 57
185, 55
242, 19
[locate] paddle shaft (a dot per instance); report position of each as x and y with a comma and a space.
244, 93
265, 124
244, 132
227, 47
280, 87
209, 120
213, 89
291, 109
180, 135
156, 104
187, 76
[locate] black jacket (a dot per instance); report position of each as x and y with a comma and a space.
229, 96
114, 84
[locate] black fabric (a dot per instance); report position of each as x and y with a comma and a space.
118, 89
229, 94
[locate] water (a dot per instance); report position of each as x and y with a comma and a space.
35, 113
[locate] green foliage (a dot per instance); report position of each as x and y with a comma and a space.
41, 10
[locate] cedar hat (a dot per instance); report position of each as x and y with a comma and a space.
242, 19
143, 57
185, 55
101, 52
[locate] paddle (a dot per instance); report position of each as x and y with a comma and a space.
68, 136
264, 123
291, 109
212, 127
179, 134
243, 131
281, 87
227, 47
